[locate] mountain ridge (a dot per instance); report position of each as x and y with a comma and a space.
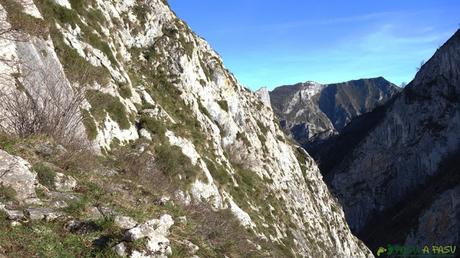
160, 106
311, 112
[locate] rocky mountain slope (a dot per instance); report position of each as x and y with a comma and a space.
395, 170
184, 160
312, 112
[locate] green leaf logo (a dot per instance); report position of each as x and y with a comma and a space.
381, 250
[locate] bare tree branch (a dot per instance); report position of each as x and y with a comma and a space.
38, 100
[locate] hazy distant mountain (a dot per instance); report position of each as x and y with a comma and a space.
312, 112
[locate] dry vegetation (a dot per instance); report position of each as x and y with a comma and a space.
35, 99
41, 104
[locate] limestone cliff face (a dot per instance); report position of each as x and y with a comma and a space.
311, 112
444, 211
264, 96
149, 78
400, 166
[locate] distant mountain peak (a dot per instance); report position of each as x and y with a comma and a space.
311, 111
311, 83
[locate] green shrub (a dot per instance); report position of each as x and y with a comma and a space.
148, 53
248, 178
218, 172
115, 143
171, 161
280, 138
40, 193
45, 175
76, 207
89, 123
242, 137
7, 143
154, 126
74, 65
262, 138
141, 11
96, 16
95, 40
125, 91
21, 21
223, 104
262, 127
203, 110
102, 103
187, 45
169, 31
52, 11
78, 5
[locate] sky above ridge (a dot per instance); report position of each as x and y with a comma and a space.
272, 43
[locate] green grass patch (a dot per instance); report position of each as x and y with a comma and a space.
45, 175
206, 70
89, 123
262, 138
8, 143
91, 194
52, 11
96, 41
23, 22
171, 161
79, 5
203, 109
7, 193
223, 105
76, 207
76, 67
49, 239
141, 12
219, 173
188, 46
153, 125
264, 129
125, 91
102, 103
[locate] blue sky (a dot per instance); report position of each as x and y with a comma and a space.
273, 42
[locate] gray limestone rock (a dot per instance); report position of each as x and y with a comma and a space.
16, 173
42, 214
125, 222
64, 183
156, 232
